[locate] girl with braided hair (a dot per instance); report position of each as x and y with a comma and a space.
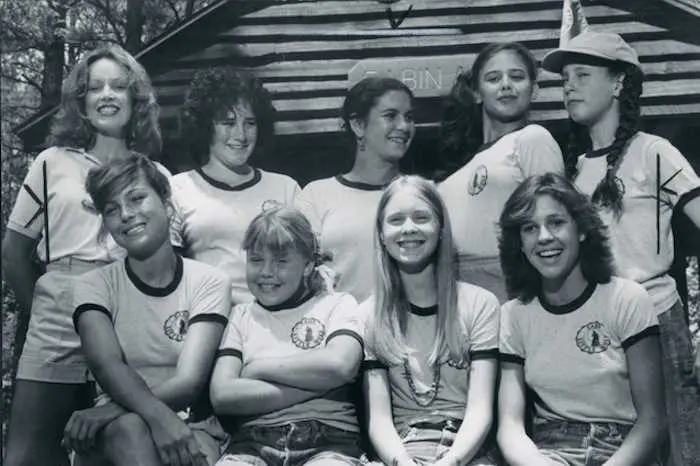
489, 145
637, 180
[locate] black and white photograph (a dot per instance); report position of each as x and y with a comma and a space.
350, 232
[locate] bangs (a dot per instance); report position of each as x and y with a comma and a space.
520, 213
268, 233
114, 183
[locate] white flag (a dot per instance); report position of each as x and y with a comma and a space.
573, 21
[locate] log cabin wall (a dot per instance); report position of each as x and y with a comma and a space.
308, 52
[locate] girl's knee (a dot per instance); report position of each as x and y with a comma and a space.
128, 428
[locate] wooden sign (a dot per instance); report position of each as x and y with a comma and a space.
425, 76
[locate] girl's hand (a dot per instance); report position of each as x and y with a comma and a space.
83, 426
174, 441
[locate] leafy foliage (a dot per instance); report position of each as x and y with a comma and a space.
41, 40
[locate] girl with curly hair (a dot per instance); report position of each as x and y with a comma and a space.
432, 342
637, 180
582, 343
378, 118
487, 149
227, 117
107, 110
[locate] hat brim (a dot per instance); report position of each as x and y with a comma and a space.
554, 60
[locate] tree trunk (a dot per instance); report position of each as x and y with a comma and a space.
189, 8
54, 59
134, 25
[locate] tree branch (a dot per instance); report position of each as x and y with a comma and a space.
107, 13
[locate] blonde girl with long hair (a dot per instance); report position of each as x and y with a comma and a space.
431, 341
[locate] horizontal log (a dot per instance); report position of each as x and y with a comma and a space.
392, 45
356, 7
417, 19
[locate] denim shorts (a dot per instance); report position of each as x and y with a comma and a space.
295, 443
681, 386
579, 443
427, 442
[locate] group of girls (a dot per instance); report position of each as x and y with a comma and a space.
245, 350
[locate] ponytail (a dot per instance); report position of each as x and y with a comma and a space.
323, 278
460, 133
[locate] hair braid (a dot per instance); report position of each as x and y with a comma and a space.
579, 142
608, 193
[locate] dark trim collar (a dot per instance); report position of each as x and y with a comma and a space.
593, 154
570, 306
423, 311
359, 185
257, 175
151, 290
300, 296
490, 144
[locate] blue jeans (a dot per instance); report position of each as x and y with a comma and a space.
579, 443
428, 442
295, 443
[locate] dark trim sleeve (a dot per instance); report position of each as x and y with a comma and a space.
515, 359
88, 307
484, 354
229, 352
647, 332
686, 198
369, 364
349, 333
209, 317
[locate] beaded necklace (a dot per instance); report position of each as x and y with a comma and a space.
422, 399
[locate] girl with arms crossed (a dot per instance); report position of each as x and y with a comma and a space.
636, 180
585, 343
287, 358
227, 117
107, 109
432, 341
378, 117
491, 148
150, 325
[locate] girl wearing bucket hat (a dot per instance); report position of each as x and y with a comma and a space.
637, 180
487, 142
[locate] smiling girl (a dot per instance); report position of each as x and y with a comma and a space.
378, 117
227, 118
149, 326
584, 342
637, 181
432, 342
107, 109
488, 148
280, 384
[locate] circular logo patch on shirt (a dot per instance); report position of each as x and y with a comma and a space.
308, 333
479, 180
175, 326
591, 338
